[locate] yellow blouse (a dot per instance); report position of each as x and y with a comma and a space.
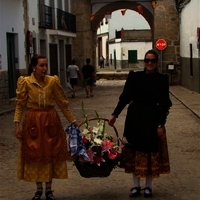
31, 94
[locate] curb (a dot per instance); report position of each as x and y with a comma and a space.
193, 112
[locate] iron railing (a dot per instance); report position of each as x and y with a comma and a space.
66, 21
45, 17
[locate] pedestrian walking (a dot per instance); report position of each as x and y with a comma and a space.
89, 77
73, 74
42, 141
101, 60
147, 94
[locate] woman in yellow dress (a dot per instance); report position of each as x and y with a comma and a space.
43, 147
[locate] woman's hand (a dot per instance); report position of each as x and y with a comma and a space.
18, 132
75, 124
112, 120
161, 130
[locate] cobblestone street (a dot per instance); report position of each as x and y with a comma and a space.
183, 132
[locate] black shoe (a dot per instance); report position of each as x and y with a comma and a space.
49, 196
149, 193
135, 192
37, 196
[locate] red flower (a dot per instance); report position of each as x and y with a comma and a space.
112, 156
106, 145
85, 140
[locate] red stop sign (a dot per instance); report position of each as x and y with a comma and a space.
161, 44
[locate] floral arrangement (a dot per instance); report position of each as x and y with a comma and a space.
100, 147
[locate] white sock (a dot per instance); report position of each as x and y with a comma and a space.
39, 186
136, 181
148, 184
48, 186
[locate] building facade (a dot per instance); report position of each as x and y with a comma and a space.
124, 46
190, 44
34, 27
52, 28
12, 47
48, 27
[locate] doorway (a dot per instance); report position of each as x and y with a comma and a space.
62, 63
68, 55
11, 59
53, 52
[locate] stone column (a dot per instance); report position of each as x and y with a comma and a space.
166, 25
83, 45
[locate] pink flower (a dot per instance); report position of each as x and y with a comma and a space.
106, 145
90, 154
98, 159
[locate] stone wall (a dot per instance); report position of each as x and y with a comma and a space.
166, 25
4, 86
139, 35
4, 90
83, 46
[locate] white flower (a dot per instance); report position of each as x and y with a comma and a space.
95, 130
85, 131
97, 141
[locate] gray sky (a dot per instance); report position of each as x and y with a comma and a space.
131, 20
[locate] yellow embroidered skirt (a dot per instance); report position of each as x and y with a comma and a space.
144, 164
43, 149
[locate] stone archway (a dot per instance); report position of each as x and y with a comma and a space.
164, 23
117, 6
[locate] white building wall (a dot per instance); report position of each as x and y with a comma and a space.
190, 20
190, 61
104, 40
131, 20
103, 28
12, 21
123, 48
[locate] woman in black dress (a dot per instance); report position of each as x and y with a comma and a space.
147, 93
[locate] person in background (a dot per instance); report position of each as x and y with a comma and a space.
101, 59
73, 74
42, 141
89, 77
147, 94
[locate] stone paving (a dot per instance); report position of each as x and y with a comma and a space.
183, 130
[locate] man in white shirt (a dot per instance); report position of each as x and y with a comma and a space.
72, 76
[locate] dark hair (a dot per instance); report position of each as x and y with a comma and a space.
73, 61
34, 62
87, 60
151, 52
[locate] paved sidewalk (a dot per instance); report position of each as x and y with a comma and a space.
183, 140
188, 98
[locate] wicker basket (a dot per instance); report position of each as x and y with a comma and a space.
89, 170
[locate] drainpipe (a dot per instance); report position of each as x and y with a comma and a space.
25, 6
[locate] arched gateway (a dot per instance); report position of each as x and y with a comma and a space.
163, 20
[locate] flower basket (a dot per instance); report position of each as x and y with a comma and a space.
88, 169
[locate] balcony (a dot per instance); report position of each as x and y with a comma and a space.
45, 17
66, 21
